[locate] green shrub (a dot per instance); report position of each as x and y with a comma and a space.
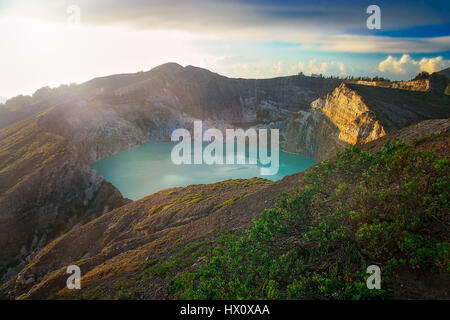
386, 208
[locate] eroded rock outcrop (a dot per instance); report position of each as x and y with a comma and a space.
436, 82
346, 109
334, 122
355, 115
412, 85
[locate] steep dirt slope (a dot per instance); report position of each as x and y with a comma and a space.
46, 188
120, 241
429, 135
396, 108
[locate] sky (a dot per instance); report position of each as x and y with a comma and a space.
53, 42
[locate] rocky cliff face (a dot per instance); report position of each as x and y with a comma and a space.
334, 122
312, 134
346, 109
355, 115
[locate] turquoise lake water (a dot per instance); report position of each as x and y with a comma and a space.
148, 168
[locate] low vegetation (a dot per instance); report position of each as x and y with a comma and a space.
388, 208
183, 258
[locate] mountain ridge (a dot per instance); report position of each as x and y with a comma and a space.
108, 115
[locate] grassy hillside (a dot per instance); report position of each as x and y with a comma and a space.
388, 208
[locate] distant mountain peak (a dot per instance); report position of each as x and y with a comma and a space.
168, 67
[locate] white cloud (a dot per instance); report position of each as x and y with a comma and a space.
259, 68
313, 66
317, 68
279, 67
396, 66
431, 65
406, 64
